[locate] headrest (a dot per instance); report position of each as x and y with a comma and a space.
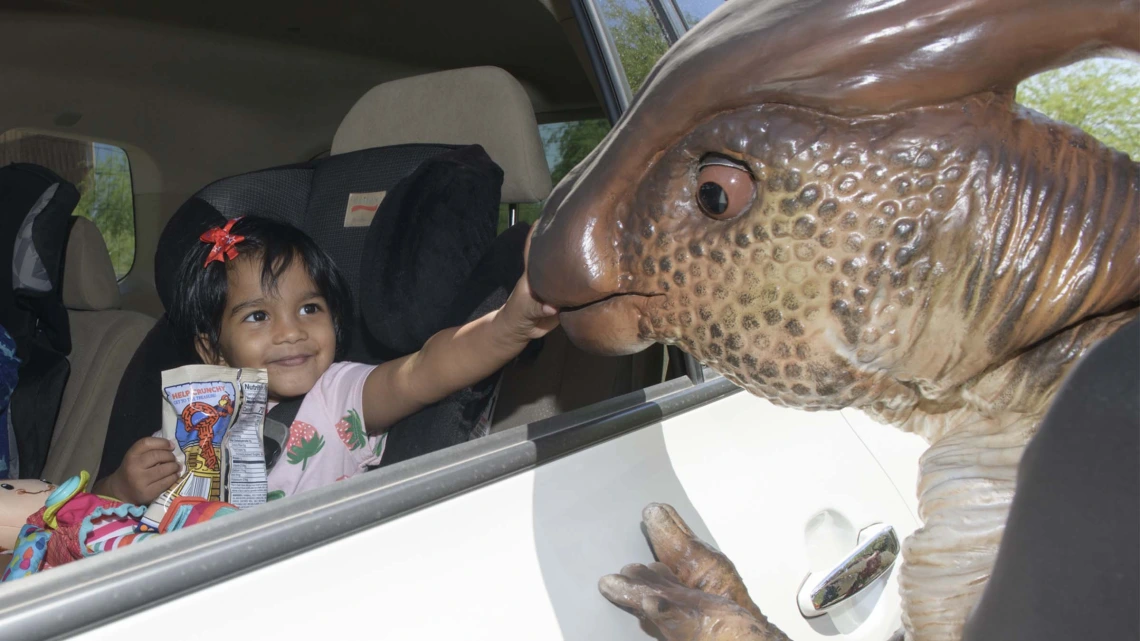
88, 276
478, 105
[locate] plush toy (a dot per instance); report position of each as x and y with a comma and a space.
51, 526
19, 499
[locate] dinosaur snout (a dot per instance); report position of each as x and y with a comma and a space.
569, 263
573, 264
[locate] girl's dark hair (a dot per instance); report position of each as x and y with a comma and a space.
197, 310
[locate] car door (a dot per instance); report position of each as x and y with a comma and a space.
506, 537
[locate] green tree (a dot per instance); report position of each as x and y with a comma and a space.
575, 141
1101, 96
637, 36
640, 44
106, 198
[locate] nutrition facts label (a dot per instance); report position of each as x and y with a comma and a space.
246, 473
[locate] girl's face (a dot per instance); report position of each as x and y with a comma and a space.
289, 333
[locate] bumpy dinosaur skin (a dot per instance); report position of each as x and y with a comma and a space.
837, 204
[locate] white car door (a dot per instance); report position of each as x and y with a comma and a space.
506, 537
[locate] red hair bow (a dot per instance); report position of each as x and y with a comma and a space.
223, 242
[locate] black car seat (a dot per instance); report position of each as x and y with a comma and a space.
35, 211
104, 337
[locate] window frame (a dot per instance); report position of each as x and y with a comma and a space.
58, 603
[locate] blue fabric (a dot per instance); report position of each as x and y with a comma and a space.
31, 548
9, 365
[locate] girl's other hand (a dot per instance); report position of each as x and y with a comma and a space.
148, 468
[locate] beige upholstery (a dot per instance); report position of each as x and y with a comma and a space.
478, 105
103, 340
89, 283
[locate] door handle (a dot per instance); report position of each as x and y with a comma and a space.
822, 591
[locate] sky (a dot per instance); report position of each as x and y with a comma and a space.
698, 8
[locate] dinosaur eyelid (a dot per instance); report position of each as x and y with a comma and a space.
723, 161
724, 188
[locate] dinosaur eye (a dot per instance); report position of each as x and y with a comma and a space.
725, 189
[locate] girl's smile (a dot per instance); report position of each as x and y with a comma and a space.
288, 331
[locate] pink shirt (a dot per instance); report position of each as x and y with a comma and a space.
327, 441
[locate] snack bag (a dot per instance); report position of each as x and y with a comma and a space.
216, 416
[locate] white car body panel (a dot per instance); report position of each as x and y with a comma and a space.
520, 558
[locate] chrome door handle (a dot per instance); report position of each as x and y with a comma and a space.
871, 560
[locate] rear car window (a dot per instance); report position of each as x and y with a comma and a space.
101, 172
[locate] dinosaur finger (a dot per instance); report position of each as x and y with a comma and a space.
673, 620
624, 592
665, 572
693, 562
650, 577
670, 608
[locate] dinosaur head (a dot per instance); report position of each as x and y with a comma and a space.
836, 202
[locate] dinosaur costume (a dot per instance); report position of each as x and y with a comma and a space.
836, 203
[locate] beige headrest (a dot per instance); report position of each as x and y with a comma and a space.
88, 276
478, 105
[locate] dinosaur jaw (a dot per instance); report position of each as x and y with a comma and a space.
615, 326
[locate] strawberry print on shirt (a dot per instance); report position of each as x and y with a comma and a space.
313, 457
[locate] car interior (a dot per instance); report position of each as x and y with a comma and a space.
228, 104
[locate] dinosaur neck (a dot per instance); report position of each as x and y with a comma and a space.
1062, 241
1045, 236
1012, 396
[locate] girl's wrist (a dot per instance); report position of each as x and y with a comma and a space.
505, 333
108, 487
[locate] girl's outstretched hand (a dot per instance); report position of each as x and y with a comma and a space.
523, 317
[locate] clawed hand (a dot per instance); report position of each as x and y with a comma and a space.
693, 592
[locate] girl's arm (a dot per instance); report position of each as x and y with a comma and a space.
454, 358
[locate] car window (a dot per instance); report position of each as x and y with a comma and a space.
640, 42
101, 172
1101, 96
637, 35
693, 11
565, 144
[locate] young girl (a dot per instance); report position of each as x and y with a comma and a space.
262, 294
